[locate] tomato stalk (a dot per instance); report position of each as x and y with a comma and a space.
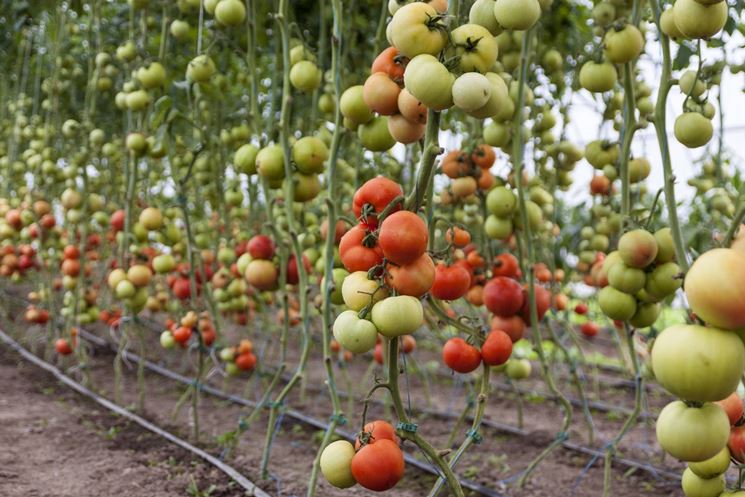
660, 116
337, 417
517, 160
426, 167
282, 21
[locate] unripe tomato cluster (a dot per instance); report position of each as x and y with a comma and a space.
181, 332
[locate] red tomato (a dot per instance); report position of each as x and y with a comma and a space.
506, 265
403, 237
457, 236
503, 296
208, 336
71, 252
378, 353
358, 251
733, 406
378, 430
392, 63
62, 346
589, 329
514, 326
292, 270
460, 356
181, 288
413, 279
377, 193
408, 344
451, 282
246, 362
378, 466
736, 443
484, 156
117, 220
260, 247
581, 309
542, 300
497, 348
182, 334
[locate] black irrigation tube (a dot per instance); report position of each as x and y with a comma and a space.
241, 480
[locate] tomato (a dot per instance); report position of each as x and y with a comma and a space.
600, 185
166, 340
244, 159
503, 296
375, 431
623, 44
378, 353
71, 252
460, 356
182, 288
693, 130
475, 47
309, 154
698, 363
646, 314
482, 13
413, 279
542, 301
380, 93
712, 467
261, 274
378, 466
390, 62
581, 309
501, 201
517, 15
404, 131
506, 264
598, 77
403, 237
358, 250
616, 304
396, 316
200, 69
696, 20
483, 156
497, 348
354, 334
455, 164
518, 369
692, 433
352, 105
664, 280
246, 361
429, 81
377, 193
589, 329
70, 267
182, 334
715, 288
62, 346
733, 406
411, 108
336, 464
626, 279
695, 486
270, 162
736, 443
358, 291
514, 326
305, 76
140, 275
230, 12
451, 282
416, 28
408, 344
471, 91
293, 276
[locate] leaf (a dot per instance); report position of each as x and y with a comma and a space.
731, 25
683, 57
161, 107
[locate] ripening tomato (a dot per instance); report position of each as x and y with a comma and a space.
117, 220
403, 237
457, 236
736, 443
246, 362
181, 288
542, 301
378, 466
503, 296
260, 273
62, 346
336, 464
507, 265
377, 193
293, 275
581, 309
375, 431
182, 334
408, 344
514, 326
413, 279
460, 356
378, 353
358, 250
392, 63
733, 406
483, 156
260, 247
497, 348
451, 282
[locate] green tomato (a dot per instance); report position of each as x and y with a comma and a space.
375, 136
310, 154
164, 263
244, 159
336, 464
518, 369
692, 433
355, 334
501, 201
626, 279
358, 291
695, 486
713, 466
396, 316
697, 363
616, 305
646, 314
664, 280
338, 275
498, 228
166, 340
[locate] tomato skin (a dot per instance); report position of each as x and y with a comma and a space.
392, 63
451, 282
354, 255
503, 296
506, 265
378, 466
497, 348
589, 329
378, 430
733, 406
460, 356
260, 247
403, 237
378, 192
413, 279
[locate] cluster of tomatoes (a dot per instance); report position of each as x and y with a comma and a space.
637, 276
181, 332
239, 358
469, 173
375, 461
702, 364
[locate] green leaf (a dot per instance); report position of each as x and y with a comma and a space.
161, 107
683, 57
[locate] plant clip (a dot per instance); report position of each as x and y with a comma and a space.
475, 435
340, 419
409, 427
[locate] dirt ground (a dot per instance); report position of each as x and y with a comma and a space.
55, 443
